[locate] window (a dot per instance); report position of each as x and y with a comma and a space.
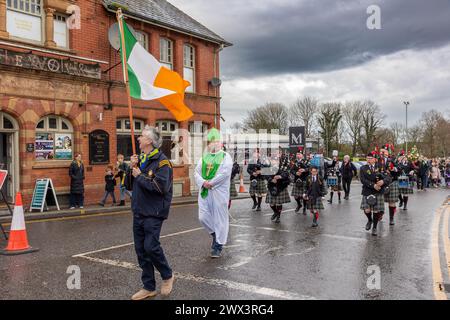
123, 130
7, 122
166, 53
198, 127
24, 19
168, 130
60, 32
189, 67
54, 139
142, 38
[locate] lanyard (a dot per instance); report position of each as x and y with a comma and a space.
145, 157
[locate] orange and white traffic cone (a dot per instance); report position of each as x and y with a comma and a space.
241, 186
18, 240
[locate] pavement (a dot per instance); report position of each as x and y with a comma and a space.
262, 260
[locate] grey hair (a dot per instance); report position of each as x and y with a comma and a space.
153, 134
347, 157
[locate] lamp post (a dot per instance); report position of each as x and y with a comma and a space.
406, 103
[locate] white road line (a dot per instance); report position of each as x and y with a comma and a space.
298, 253
243, 261
335, 236
435, 258
215, 282
131, 243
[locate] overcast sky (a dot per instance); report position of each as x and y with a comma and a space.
289, 48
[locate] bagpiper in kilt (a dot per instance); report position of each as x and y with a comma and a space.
314, 191
233, 192
391, 197
407, 170
300, 171
333, 171
257, 182
278, 189
373, 181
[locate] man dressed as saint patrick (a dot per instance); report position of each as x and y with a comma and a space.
212, 176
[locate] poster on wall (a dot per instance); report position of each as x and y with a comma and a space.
44, 145
63, 146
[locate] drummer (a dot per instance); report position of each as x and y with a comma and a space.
334, 179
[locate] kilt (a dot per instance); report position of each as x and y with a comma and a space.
233, 191
282, 197
338, 187
393, 194
409, 190
297, 191
318, 205
260, 187
379, 206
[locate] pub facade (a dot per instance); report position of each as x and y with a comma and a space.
62, 90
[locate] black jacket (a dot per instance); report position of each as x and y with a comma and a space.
110, 182
153, 188
297, 166
370, 177
315, 189
76, 174
348, 170
254, 166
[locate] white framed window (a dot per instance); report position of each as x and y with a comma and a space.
123, 131
54, 139
198, 127
24, 19
166, 53
142, 38
60, 30
189, 66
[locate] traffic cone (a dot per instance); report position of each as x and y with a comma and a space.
241, 186
18, 240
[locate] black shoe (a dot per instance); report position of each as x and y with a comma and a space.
330, 201
101, 204
368, 225
297, 209
400, 204
339, 200
314, 224
122, 203
391, 222
254, 206
273, 216
374, 231
258, 208
404, 208
278, 219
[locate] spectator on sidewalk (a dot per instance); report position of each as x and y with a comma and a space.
123, 168
76, 173
110, 184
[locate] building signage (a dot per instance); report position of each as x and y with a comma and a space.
65, 66
99, 147
296, 138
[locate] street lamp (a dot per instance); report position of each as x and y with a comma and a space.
406, 103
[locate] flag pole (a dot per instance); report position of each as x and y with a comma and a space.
125, 76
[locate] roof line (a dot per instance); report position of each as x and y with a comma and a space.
139, 17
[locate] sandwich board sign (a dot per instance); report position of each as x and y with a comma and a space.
44, 195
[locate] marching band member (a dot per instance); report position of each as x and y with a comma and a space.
333, 170
278, 192
348, 171
234, 171
300, 172
314, 191
257, 182
391, 197
407, 171
373, 182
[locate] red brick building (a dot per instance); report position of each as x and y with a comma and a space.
61, 80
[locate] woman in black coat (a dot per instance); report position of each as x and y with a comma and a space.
76, 173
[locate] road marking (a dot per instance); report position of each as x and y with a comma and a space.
335, 236
280, 294
446, 238
298, 253
242, 262
436, 263
131, 243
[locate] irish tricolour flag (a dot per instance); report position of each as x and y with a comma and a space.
149, 80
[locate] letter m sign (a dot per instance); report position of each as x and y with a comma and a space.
296, 137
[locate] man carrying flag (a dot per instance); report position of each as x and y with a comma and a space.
212, 176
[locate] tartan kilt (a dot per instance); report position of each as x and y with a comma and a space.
233, 191
297, 191
282, 197
260, 187
379, 206
338, 187
409, 190
393, 194
318, 205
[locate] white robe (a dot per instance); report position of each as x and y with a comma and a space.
213, 211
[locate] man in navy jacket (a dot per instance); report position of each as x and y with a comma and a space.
152, 195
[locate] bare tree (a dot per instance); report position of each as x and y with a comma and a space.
352, 116
371, 121
398, 133
429, 123
329, 117
269, 116
302, 112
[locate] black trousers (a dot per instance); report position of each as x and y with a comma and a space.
150, 255
346, 185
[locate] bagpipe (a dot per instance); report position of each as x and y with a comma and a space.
299, 180
283, 169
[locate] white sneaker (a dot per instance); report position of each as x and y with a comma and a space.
81, 207
71, 208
